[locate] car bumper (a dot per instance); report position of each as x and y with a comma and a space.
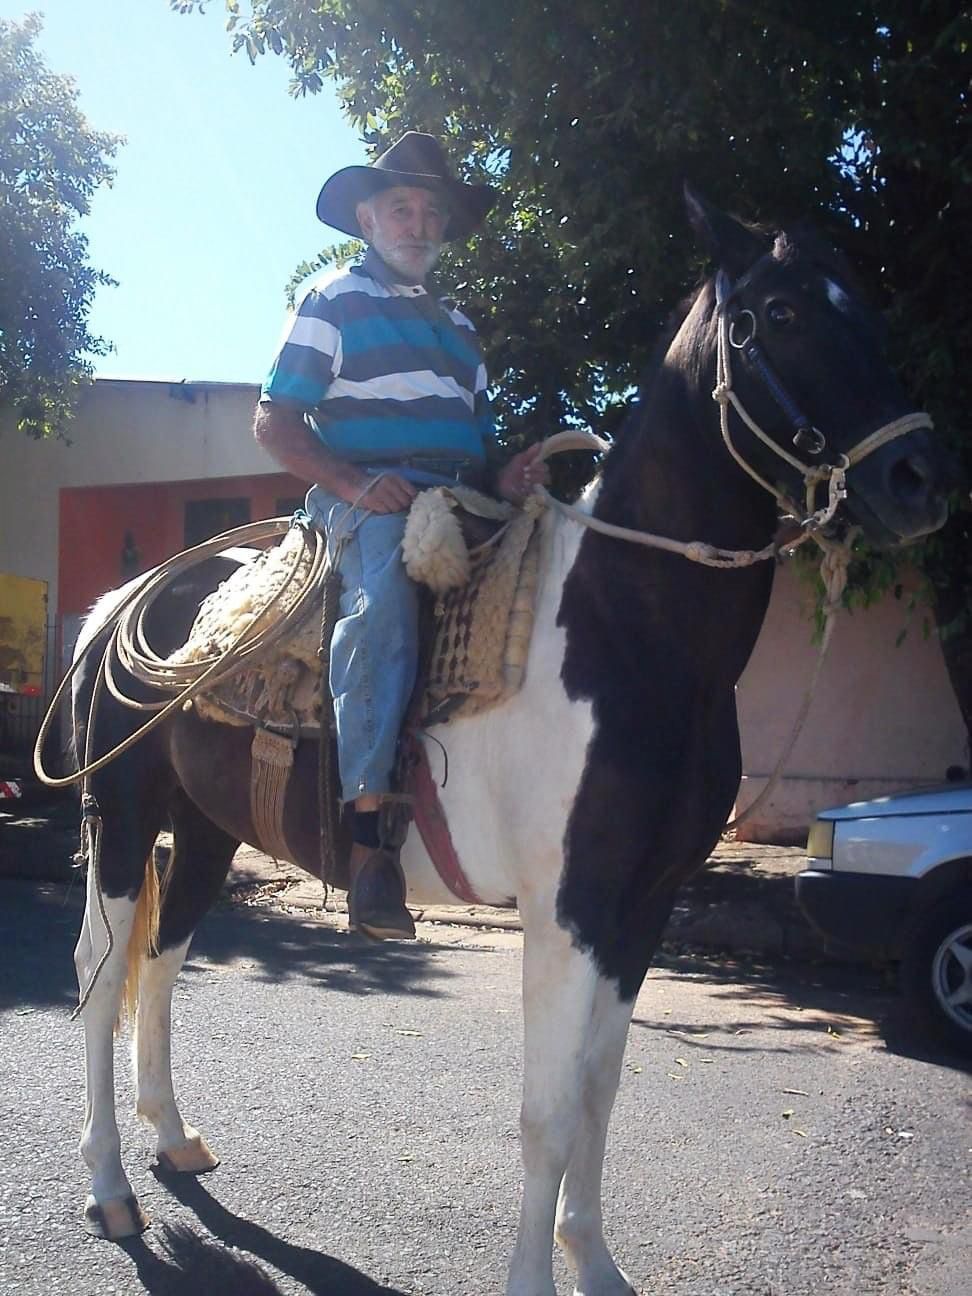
865, 913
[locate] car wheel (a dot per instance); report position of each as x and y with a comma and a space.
937, 969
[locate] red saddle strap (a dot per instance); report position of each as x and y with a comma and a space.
430, 819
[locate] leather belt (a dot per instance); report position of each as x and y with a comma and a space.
468, 471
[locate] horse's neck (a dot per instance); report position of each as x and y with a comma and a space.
624, 606
673, 474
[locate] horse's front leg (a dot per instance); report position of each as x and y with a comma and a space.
559, 989
580, 1229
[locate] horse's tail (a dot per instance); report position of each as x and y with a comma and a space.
142, 943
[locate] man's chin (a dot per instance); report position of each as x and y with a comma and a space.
415, 267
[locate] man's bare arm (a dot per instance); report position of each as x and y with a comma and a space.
282, 432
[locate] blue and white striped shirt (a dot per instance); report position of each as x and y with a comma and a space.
384, 370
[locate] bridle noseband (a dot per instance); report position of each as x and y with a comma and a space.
739, 334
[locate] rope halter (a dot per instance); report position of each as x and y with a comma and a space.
739, 334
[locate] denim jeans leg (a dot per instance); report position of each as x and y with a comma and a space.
374, 652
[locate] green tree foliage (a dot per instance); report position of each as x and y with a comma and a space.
50, 164
589, 115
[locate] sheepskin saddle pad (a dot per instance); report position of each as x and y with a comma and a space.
482, 596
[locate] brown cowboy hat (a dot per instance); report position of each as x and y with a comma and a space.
414, 160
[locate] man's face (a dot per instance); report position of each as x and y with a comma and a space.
405, 226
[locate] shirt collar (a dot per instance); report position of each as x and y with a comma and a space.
378, 269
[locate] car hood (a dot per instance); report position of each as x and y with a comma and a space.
947, 798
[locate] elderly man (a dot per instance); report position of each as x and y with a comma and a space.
377, 391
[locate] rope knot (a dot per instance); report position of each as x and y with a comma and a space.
698, 551
720, 393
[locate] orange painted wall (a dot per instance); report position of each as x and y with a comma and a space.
93, 521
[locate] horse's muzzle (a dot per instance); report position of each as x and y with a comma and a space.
903, 497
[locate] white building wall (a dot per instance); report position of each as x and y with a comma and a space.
883, 718
126, 431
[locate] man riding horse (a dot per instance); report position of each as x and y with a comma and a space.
379, 390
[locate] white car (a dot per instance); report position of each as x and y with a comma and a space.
892, 878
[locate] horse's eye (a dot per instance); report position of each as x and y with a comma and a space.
780, 313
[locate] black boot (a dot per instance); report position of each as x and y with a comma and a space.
376, 899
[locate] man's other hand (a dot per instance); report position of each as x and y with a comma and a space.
525, 470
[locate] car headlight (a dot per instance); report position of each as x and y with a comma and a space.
820, 841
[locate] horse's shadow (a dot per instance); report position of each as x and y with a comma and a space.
193, 1264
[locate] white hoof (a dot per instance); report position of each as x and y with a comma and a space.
115, 1218
192, 1157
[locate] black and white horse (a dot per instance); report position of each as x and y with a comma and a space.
603, 784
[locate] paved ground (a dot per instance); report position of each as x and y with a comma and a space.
776, 1132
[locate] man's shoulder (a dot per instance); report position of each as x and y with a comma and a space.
338, 281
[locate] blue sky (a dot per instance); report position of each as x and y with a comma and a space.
213, 201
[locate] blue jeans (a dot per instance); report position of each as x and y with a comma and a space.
374, 652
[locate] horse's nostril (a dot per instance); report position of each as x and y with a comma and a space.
910, 477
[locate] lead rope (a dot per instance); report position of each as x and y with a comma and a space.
833, 572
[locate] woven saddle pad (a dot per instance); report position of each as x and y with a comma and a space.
482, 628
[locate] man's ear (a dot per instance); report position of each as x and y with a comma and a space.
734, 247
366, 220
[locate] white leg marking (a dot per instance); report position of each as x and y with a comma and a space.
579, 1219
180, 1147
100, 1142
559, 985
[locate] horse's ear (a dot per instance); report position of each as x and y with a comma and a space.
727, 240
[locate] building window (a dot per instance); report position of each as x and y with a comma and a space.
206, 518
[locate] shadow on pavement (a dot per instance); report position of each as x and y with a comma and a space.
38, 930
321, 1274
278, 947
192, 1264
39, 925
833, 1002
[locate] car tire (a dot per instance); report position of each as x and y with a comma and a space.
936, 970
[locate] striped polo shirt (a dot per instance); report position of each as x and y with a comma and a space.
385, 371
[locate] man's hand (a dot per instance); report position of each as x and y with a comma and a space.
387, 494
524, 471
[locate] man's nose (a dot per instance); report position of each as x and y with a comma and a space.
428, 227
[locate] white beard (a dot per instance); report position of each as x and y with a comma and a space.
412, 263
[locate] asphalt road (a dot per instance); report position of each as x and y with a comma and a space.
775, 1134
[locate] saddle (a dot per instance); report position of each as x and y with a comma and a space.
476, 561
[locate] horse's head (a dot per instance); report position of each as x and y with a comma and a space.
805, 384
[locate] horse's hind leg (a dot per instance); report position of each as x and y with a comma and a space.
201, 858
101, 956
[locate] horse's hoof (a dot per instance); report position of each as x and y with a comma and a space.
114, 1219
192, 1157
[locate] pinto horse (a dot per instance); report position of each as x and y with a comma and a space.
595, 791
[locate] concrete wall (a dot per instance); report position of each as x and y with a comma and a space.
883, 718
126, 432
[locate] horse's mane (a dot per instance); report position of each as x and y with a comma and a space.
646, 378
